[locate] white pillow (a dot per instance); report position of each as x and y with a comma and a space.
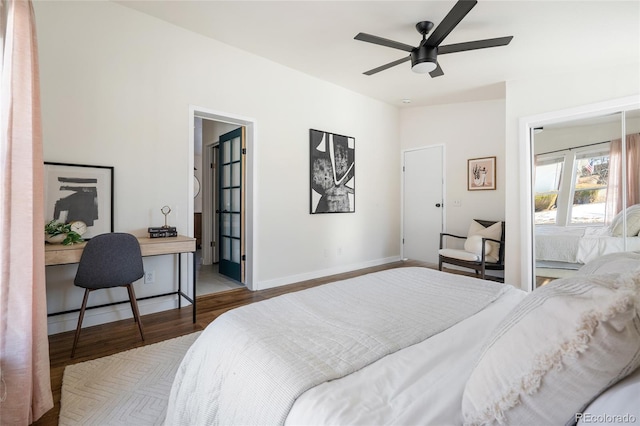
556, 351
633, 222
612, 263
473, 244
494, 232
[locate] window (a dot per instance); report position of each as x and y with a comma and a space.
570, 186
589, 191
548, 177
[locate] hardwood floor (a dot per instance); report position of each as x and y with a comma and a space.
107, 339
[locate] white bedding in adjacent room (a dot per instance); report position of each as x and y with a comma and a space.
578, 245
558, 243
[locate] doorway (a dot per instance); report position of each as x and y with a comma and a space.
207, 127
230, 213
422, 203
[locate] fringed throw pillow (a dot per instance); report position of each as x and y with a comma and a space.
562, 346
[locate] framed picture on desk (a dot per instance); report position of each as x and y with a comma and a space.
79, 192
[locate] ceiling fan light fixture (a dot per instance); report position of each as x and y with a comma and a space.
423, 59
424, 67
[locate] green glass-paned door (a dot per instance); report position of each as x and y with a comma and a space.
230, 190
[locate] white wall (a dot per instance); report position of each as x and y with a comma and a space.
545, 94
467, 130
197, 172
212, 130
197, 162
116, 88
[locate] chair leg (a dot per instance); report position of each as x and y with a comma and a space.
80, 318
134, 308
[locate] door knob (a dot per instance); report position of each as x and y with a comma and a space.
438, 205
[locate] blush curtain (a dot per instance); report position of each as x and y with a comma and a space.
614, 189
25, 383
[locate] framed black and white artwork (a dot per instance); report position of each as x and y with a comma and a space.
332, 170
79, 192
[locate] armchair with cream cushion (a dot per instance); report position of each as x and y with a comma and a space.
483, 248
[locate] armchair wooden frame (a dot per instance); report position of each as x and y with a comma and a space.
480, 266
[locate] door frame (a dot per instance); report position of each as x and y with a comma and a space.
250, 183
402, 191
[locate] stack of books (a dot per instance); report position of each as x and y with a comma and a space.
162, 232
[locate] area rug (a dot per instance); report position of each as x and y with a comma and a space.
127, 388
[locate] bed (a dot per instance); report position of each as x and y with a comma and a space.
570, 247
377, 349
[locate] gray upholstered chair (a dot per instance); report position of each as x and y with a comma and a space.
109, 260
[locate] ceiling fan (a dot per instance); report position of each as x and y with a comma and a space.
424, 56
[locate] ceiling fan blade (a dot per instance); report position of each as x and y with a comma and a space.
383, 42
473, 45
453, 18
387, 66
437, 72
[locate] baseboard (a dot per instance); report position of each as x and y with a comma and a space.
67, 322
277, 282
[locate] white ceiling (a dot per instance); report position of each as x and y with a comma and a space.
316, 37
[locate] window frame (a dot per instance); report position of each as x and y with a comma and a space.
566, 192
547, 159
600, 150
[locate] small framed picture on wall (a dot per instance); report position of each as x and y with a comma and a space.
481, 173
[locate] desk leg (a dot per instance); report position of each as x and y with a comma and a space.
194, 287
180, 293
179, 280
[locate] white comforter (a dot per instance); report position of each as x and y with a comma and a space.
251, 364
419, 385
581, 245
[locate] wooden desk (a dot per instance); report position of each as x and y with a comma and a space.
58, 254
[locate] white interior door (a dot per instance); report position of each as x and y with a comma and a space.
423, 182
